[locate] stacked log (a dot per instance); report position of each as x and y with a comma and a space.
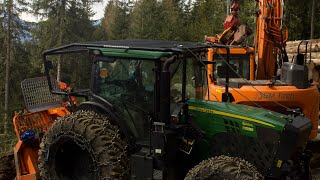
313, 63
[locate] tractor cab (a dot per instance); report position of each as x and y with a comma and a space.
130, 81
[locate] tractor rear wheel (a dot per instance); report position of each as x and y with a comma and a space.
83, 145
224, 168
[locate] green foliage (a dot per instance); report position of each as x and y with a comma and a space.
207, 18
11, 30
170, 24
116, 20
145, 20
298, 19
67, 21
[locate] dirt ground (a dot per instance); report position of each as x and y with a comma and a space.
315, 174
7, 169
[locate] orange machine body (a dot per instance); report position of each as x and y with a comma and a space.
26, 154
43, 108
270, 36
264, 93
268, 53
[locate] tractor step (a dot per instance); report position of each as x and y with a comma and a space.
142, 166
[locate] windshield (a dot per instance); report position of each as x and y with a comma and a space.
194, 79
128, 84
240, 64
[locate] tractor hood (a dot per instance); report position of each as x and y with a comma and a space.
252, 132
247, 114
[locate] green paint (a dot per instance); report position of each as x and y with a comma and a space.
255, 116
129, 53
217, 117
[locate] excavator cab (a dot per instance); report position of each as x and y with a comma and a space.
241, 64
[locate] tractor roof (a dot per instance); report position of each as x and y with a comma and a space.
149, 49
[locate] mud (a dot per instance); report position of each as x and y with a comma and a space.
7, 168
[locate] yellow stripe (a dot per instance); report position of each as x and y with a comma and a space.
229, 115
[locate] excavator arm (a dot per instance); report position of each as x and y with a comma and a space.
271, 37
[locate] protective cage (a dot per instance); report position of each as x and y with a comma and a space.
37, 96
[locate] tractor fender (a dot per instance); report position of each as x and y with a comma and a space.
116, 120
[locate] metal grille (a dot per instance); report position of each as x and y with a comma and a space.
37, 96
258, 152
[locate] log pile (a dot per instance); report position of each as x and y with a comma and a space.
314, 64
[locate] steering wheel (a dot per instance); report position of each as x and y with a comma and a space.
125, 90
114, 88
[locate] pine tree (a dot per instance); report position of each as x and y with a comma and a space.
116, 20
297, 19
9, 7
12, 31
61, 14
171, 14
186, 19
207, 18
145, 22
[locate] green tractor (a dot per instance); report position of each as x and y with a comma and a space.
144, 118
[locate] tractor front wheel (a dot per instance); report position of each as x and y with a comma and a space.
83, 145
224, 168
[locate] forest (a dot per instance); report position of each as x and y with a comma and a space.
68, 21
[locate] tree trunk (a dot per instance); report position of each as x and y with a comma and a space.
314, 4
61, 36
8, 58
228, 7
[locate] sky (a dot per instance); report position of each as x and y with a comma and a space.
97, 8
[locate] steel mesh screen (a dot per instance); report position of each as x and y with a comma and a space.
37, 96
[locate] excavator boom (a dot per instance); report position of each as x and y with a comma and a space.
271, 37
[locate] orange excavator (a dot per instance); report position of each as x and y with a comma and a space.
261, 75
42, 109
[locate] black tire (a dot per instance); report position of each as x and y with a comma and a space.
224, 168
83, 145
7, 167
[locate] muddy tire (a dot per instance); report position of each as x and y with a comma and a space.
7, 168
224, 168
83, 145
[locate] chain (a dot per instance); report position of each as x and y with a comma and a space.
213, 168
116, 149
